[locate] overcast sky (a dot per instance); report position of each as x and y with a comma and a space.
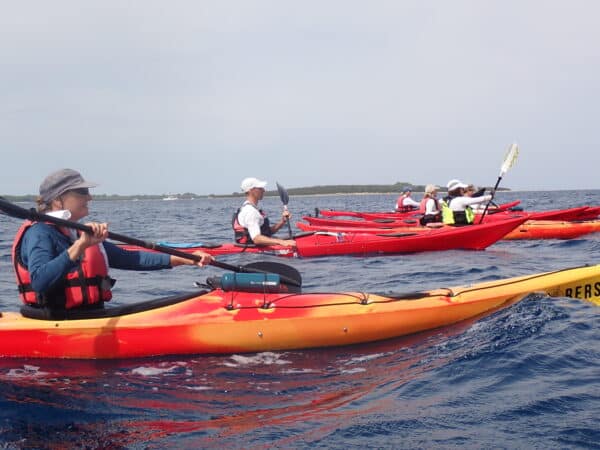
192, 96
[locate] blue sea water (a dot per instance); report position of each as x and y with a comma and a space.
527, 376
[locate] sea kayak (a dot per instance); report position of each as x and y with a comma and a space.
403, 219
531, 229
562, 214
553, 229
313, 244
395, 214
475, 237
219, 321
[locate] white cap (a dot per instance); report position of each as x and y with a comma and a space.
455, 184
431, 188
249, 183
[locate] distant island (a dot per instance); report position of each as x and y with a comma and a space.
310, 190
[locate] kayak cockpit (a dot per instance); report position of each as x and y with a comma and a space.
32, 312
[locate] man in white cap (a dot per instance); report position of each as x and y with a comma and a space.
405, 203
250, 224
456, 207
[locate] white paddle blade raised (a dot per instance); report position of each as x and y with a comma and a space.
509, 159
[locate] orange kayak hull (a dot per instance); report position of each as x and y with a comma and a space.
229, 322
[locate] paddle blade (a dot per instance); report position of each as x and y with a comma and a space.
509, 159
283, 195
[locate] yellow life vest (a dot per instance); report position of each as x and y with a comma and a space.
449, 217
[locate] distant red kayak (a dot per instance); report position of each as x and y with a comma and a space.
531, 229
390, 219
562, 214
397, 215
473, 237
591, 213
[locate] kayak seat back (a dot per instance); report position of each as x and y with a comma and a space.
32, 312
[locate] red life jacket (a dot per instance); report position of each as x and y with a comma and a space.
240, 234
423, 204
429, 218
400, 207
88, 284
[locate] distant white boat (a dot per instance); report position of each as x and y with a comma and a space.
170, 197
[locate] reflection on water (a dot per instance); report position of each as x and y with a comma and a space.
200, 399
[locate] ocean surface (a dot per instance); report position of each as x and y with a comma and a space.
527, 376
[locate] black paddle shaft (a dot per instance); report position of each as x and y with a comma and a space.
31, 214
487, 205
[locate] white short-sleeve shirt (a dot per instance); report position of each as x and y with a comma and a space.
250, 218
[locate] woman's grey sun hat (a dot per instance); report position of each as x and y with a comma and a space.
61, 181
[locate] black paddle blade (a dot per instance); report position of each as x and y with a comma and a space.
283, 195
479, 192
289, 275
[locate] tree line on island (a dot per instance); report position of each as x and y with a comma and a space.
309, 190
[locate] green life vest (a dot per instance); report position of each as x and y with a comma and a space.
449, 217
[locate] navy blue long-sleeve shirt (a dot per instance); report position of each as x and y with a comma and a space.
44, 253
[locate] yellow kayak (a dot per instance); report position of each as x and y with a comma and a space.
218, 321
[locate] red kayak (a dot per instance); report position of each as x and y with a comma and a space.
473, 237
562, 214
531, 229
393, 218
592, 213
307, 227
397, 215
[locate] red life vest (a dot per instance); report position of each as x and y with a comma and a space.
429, 218
400, 207
240, 234
88, 284
423, 204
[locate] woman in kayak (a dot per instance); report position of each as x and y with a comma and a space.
250, 224
456, 206
404, 202
58, 269
430, 206
472, 191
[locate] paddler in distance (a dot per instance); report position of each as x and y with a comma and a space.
430, 206
456, 206
405, 203
250, 224
59, 269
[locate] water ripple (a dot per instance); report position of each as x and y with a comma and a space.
525, 376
